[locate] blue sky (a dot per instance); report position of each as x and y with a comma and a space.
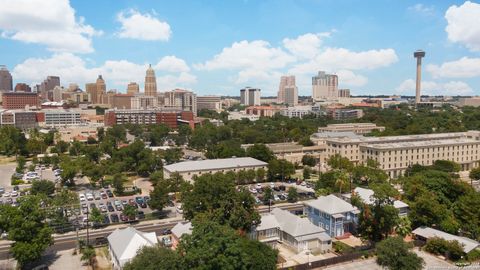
218, 47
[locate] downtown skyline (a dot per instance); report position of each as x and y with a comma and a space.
223, 47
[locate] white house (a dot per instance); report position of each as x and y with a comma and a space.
123, 244
366, 195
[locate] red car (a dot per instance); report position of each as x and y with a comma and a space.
123, 218
133, 203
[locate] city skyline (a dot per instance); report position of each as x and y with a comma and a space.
369, 51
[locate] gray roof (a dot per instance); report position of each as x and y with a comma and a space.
300, 228
367, 197
182, 228
331, 204
427, 232
126, 242
214, 164
335, 134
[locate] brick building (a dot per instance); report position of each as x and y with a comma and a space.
19, 100
171, 118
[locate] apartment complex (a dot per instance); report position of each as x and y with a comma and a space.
396, 153
344, 114
299, 111
55, 118
357, 128
171, 118
324, 86
343, 93
264, 111
181, 100
20, 100
250, 96
213, 103
189, 169
143, 102
121, 101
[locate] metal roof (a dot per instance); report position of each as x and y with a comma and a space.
427, 232
331, 204
214, 164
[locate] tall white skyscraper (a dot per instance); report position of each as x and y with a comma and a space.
324, 86
250, 96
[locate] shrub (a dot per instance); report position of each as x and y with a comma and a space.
342, 248
450, 249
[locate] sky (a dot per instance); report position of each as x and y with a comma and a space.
218, 47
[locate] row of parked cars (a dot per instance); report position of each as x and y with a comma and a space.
90, 196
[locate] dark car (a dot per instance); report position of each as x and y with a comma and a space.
16, 188
282, 187
118, 207
146, 199
140, 215
93, 206
109, 193
106, 220
166, 231
114, 218
139, 200
143, 205
110, 207
123, 218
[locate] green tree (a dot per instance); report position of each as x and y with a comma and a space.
88, 255
292, 195
452, 250
61, 147
159, 195
306, 173
260, 174
118, 183
446, 166
96, 217
260, 151
155, 258
467, 212
338, 162
129, 211
42, 187
21, 161
217, 196
268, 195
280, 169
342, 180
213, 246
404, 227
393, 254
25, 226
309, 160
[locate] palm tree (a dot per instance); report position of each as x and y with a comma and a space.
342, 180
404, 227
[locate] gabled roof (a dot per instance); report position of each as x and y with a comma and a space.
367, 197
126, 242
300, 228
331, 204
427, 232
214, 164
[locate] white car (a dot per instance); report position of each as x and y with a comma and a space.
253, 191
89, 196
276, 198
272, 185
258, 186
6, 194
179, 208
14, 193
82, 197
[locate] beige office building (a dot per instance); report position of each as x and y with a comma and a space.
357, 128
213, 103
97, 91
396, 153
133, 88
181, 99
287, 91
324, 86
150, 82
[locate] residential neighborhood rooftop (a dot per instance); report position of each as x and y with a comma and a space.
331, 204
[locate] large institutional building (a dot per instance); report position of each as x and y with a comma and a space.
324, 86
396, 153
97, 91
6, 83
181, 99
169, 117
357, 128
250, 96
213, 103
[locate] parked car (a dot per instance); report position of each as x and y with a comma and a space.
118, 207
103, 195
179, 208
97, 196
89, 196
140, 215
146, 199
109, 193
2, 190
123, 218
16, 188
106, 220
92, 206
139, 200
132, 203
166, 231
114, 218
110, 207
14, 193
102, 207
6, 194
258, 186
82, 197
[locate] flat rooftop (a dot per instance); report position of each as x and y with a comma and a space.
214, 164
419, 137
417, 144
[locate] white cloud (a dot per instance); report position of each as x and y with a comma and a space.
257, 54
422, 9
142, 26
305, 46
464, 25
48, 22
117, 73
332, 59
451, 88
464, 67
348, 78
171, 63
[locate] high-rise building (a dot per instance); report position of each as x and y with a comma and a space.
6, 82
324, 86
97, 91
286, 82
291, 95
181, 99
250, 96
45, 88
57, 93
150, 82
133, 88
22, 87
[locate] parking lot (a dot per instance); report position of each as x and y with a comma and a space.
280, 190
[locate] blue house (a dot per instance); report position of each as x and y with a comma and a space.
333, 214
